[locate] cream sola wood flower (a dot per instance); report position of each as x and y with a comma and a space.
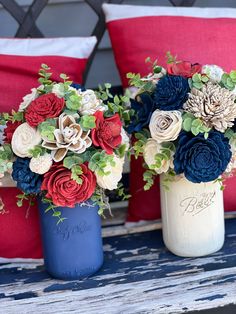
68, 136
25, 138
165, 126
90, 103
213, 104
214, 72
27, 99
110, 181
151, 149
41, 164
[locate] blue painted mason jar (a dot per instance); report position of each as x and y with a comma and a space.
73, 248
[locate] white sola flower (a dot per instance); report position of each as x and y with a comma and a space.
24, 138
27, 99
165, 126
152, 148
59, 89
111, 180
41, 164
214, 72
90, 103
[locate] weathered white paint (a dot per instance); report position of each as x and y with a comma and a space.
192, 217
162, 296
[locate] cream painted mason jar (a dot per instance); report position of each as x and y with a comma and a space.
192, 217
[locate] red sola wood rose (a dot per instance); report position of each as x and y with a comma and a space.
44, 107
64, 191
183, 68
9, 130
107, 133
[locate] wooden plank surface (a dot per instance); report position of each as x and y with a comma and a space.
139, 276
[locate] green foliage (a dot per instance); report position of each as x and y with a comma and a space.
21, 198
120, 151
45, 75
72, 160
73, 101
13, 117
99, 161
229, 133
17, 116
116, 104
228, 80
121, 192
47, 128
64, 77
194, 125
155, 67
148, 177
198, 80
168, 178
99, 198
220, 181
142, 138
170, 57
143, 85
76, 172
87, 122
6, 157
6, 152
51, 207
37, 151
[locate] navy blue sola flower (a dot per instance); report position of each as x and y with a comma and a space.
27, 181
171, 92
78, 86
200, 159
143, 109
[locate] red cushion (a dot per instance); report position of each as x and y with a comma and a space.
203, 35
20, 60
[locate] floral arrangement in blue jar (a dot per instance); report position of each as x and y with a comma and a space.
66, 146
183, 119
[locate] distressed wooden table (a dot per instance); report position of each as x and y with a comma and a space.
139, 276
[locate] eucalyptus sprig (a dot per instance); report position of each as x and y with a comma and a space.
99, 197
115, 104
149, 177
198, 80
137, 81
194, 125
99, 161
51, 207
141, 138
45, 75
47, 128
228, 80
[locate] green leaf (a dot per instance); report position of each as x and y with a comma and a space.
197, 85
87, 122
187, 123
196, 78
232, 75
204, 78
71, 161
76, 171
17, 116
37, 151
64, 76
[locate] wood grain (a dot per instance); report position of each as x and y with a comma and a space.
139, 275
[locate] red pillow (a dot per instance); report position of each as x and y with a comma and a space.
20, 60
204, 35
